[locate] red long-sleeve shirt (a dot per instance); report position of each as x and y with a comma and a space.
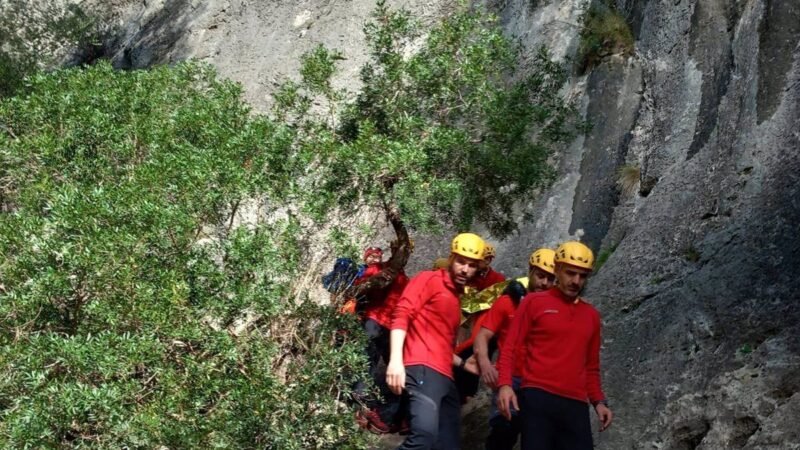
476, 327
559, 341
487, 279
430, 312
381, 305
498, 320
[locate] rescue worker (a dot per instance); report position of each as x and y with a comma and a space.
486, 275
556, 335
423, 332
487, 287
504, 433
380, 417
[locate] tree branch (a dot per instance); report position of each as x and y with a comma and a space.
401, 251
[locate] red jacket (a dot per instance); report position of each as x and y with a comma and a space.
489, 278
498, 320
370, 270
476, 327
381, 304
430, 312
558, 340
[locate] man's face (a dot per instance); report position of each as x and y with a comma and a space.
539, 280
485, 263
463, 269
571, 279
373, 258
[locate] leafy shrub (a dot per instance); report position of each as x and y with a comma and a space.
122, 283
133, 313
605, 32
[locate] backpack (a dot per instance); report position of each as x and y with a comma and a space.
345, 272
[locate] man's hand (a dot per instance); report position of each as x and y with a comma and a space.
605, 415
507, 401
471, 365
488, 374
396, 377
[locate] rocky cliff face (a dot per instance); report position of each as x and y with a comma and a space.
699, 294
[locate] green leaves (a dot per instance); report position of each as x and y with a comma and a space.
146, 301
133, 311
445, 127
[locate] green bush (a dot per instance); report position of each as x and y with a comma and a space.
122, 280
445, 131
135, 312
605, 32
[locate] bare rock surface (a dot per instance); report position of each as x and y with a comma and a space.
257, 43
700, 292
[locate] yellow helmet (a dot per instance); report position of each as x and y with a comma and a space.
575, 254
441, 263
469, 245
488, 250
544, 258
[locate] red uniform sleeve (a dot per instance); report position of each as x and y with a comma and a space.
401, 280
411, 301
593, 386
476, 327
498, 314
370, 271
515, 341
496, 277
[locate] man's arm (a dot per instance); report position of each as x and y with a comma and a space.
517, 331
496, 319
593, 383
481, 348
395, 370
411, 301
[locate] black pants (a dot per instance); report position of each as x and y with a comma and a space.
434, 410
377, 349
378, 354
467, 383
552, 422
503, 433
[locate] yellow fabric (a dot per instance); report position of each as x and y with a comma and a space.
441, 263
473, 301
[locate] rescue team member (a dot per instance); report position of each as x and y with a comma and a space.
486, 275
504, 433
557, 337
424, 326
468, 380
381, 417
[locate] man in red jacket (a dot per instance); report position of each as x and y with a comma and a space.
541, 276
557, 336
424, 326
380, 417
487, 276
